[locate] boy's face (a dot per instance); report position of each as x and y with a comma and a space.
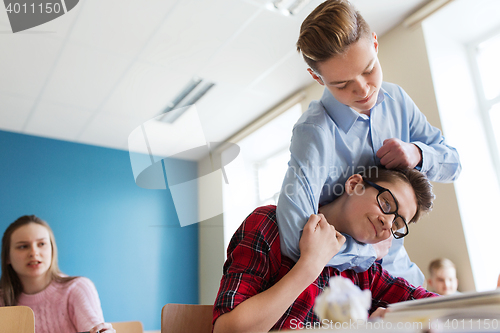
361, 216
354, 77
444, 281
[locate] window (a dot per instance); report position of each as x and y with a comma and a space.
270, 174
487, 73
257, 174
459, 41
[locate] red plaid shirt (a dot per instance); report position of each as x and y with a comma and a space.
254, 263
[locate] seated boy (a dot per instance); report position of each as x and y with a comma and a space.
443, 278
262, 290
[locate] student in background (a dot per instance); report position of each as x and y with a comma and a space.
443, 277
31, 277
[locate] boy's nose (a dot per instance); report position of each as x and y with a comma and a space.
362, 87
386, 221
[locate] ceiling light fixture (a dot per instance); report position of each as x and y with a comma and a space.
192, 92
287, 7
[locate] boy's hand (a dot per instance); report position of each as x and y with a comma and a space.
398, 154
319, 242
382, 247
379, 313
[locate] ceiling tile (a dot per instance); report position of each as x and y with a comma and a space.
146, 90
258, 2
4, 21
195, 30
14, 111
222, 96
121, 27
376, 12
56, 120
231, 118
84, 77
268, 38
109, 131
304, 12
290, 75
184, 137
61, 26
27, 60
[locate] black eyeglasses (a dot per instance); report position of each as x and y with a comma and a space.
388, 204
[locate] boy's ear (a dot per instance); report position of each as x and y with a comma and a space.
429, 282
315, 77
352, 182
375, 42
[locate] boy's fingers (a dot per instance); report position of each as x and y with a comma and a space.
322, 220
340, 238
313, 222
384, 149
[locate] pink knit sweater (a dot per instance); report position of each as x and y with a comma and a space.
65, 307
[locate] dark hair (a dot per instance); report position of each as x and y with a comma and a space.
329, 30
10, 283
417, 180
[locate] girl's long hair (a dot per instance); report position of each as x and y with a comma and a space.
10, 284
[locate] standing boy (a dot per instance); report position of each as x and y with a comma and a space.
359, 122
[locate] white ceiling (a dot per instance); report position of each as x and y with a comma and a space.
107, 66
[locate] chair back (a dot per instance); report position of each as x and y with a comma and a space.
17, 319
128, 327
186, 318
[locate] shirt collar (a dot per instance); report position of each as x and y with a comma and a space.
344, 116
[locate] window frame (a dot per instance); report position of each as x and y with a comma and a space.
485, 105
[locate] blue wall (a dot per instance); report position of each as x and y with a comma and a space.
126, 239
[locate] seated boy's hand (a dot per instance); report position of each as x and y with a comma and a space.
398, 154
379, 313
319, 242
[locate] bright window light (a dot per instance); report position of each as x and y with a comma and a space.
495, 121
258, 171
270, 175
487, 59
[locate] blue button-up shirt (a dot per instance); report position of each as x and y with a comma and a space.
331, 142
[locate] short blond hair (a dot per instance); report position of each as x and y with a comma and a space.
329, 30
440, 263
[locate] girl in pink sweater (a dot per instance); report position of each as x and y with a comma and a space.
31, 277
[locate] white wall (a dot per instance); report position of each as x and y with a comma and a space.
210, 233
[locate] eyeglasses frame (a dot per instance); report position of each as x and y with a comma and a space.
380, 190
